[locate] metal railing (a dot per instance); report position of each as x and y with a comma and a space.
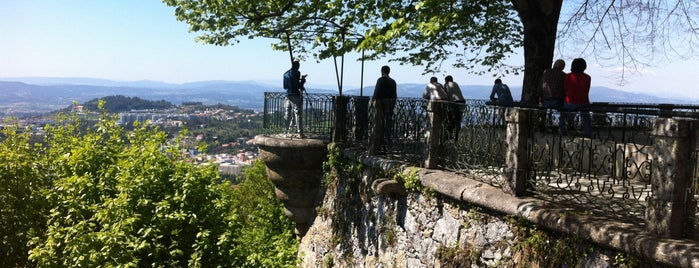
611, 171
317, 114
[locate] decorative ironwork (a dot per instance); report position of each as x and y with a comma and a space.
613, 167
407, 133
317, 115
479, 146
609, 170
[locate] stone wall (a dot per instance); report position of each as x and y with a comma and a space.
363, 223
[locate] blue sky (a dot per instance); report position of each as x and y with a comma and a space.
130, 40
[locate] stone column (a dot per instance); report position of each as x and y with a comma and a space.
437, 113
671, 204
361, 118
517, 158
340, 118
295, 166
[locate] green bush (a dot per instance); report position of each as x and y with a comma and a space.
23, 207
96, 195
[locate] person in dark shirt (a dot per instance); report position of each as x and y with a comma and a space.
455, 109
552, 95
501, 93
293, 83
552, 92
383, 101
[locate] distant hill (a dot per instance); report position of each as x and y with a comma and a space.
119, 103
40, 95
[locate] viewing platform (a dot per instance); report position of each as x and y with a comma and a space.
638, 169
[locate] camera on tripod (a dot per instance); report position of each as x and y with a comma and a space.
303, 81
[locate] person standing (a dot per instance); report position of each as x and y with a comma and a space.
552, 91
436, 106
552, 95
577, 88
456, 107
434, 90
293, 83
383, 101
501, 93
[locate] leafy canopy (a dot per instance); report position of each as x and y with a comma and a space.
464, 34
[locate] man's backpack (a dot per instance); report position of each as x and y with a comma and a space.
287, 80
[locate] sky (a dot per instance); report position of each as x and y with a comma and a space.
131, 40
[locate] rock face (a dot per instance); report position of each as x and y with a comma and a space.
295, 166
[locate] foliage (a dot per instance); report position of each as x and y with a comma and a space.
472, 33
466, 34
622, 259
457, 256
332, 165
96, 195
342, 180
336, 165
411, 180
537, 247
22, 203
266, 237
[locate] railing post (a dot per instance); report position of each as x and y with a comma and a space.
339, 130
671, 204
361, 116
517, 158
437, 114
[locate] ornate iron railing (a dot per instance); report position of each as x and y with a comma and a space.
613, 167
478, 147
610, 171
317, 115
407, 132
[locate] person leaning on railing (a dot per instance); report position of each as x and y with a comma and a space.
437, 97
455, 109
577, 87
500, 94
552, 95
383, 102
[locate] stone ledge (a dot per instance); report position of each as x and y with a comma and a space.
596, 228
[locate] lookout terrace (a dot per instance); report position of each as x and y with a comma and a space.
445, 184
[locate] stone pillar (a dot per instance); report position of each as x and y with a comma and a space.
519, 131
671, 204
295, 166
361, 118
437, 112
340, 118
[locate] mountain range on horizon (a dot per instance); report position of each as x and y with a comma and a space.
46, 94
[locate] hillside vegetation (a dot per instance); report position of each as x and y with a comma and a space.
98, 195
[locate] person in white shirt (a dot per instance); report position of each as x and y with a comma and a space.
455, 109
434, 91
453, 90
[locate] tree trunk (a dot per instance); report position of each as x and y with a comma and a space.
540, 21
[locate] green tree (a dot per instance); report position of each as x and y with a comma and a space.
266, 234
22, 204
466, 34
96, 195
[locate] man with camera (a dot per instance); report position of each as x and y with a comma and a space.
293, 83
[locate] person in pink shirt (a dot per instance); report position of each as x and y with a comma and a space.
577, 88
